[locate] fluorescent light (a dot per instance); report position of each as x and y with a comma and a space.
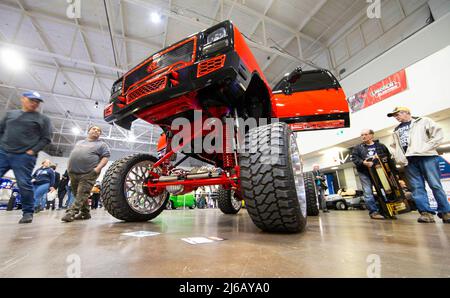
76, 130
444, 146
155, 17
12, 59
131, 137
335, 168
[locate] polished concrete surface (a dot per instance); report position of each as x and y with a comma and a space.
338, 244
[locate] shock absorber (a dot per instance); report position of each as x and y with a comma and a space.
228, 154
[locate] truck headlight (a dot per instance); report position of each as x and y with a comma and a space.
117, 87
215, 41
216, 35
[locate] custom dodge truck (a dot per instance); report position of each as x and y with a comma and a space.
214, 74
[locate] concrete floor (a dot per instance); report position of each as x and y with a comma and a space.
338, 244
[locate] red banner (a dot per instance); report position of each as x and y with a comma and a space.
388, 87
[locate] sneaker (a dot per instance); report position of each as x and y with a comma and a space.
326, 211
26, 218
82, 216
426, 217
376, 215
37, 209
69, 217
445, 217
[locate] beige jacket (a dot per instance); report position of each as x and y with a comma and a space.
424, 137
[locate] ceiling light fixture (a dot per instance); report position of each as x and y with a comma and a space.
12, 59
131, 137
155, 17
76, 130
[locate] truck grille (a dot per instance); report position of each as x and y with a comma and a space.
147, 88
208, 66
182, 53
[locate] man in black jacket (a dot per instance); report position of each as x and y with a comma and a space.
361, 157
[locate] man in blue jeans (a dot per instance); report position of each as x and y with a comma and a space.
23, 133
362, 155
415, 141
43, 181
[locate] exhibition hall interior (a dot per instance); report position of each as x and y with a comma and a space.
224, 139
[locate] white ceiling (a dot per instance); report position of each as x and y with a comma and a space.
71, 61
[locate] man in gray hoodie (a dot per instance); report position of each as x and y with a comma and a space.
415, 141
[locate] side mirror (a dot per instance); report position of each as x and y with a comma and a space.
287, 89
294, 76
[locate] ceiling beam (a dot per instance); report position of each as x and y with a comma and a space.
314, 11
202, 25
84, 28
58, 56
166, 26
271, 20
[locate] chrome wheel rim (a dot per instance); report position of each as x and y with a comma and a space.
134, 190
297, 169
237, 204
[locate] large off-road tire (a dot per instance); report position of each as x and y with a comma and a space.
272, 179
122, 190
312, 205
227, 201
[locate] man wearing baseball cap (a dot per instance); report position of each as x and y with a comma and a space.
23, 133
415, 141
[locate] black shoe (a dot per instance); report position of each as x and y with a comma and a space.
26, 218
82, 216
326, 211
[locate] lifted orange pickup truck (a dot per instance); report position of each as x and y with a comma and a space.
211, 80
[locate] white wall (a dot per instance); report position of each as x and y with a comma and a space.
439, 8
350, 178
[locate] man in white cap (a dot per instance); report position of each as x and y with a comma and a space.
23, 133
415, 141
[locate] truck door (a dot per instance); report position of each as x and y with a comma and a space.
310, 100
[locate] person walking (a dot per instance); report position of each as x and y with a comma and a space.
62, 189
414, 145
85, 164
321, 187
23, 133
43, 181
362, 156
95, 195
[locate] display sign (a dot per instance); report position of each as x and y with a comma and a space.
444, 166
386, 88
140, 234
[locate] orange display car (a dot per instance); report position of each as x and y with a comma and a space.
214, 104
